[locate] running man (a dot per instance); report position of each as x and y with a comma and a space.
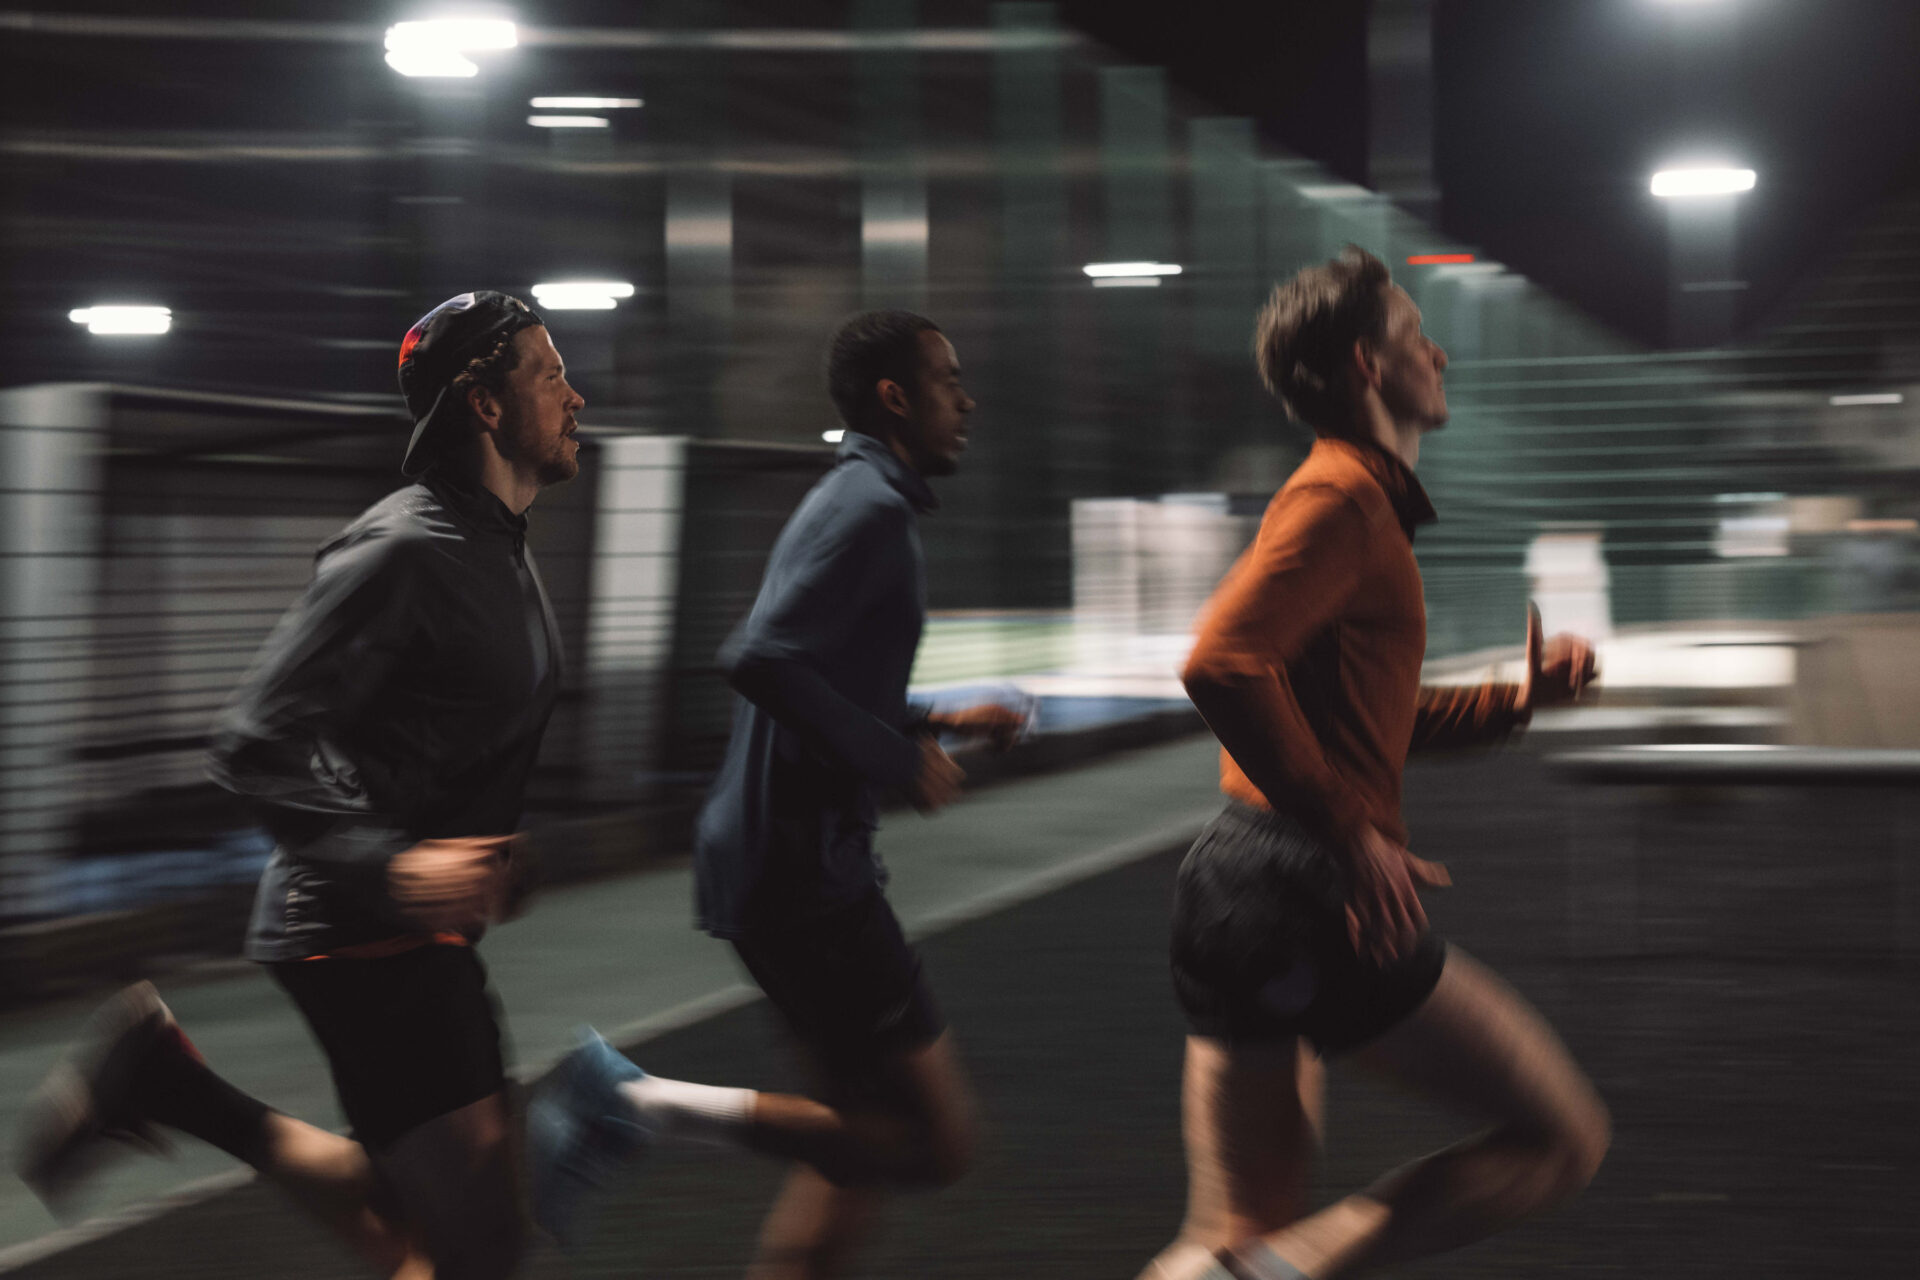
386, 731
783, 854
1298, 933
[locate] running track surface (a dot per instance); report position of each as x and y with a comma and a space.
1755, 1043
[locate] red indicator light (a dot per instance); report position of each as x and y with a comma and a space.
1439, 259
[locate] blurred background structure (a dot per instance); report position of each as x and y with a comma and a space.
1094, 239
1689, 427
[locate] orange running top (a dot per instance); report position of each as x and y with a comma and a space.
1307, 660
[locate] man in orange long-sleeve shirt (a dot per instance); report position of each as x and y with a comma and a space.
1298, 930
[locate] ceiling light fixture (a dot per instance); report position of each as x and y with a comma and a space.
581, 295
584, 104
437, 48
121, 322
1098, 269
1681, 184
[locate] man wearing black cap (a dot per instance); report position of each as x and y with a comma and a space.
386, 731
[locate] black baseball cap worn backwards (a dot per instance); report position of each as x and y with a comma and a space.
439, 346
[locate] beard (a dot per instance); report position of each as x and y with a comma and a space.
552, 459
559, 465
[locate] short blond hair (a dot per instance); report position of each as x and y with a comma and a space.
1303, 335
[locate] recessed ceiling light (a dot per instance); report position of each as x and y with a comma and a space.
581, 295
1098, 269
438, 47
584, 104
122, 321
1671, 184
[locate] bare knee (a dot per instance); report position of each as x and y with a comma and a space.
907, 1153
930, 1095
937, 1155
1574, 1147
949, 1153
454, 1182
1587, 1145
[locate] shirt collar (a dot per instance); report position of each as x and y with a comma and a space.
475, 503
910, 483
1405, 493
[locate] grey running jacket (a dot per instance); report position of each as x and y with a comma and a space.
403, 697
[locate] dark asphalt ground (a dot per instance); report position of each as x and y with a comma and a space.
1756, 1046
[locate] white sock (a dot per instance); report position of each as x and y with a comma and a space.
701, 1113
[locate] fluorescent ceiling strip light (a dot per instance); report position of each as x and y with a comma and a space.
568, 122
584, 104
464, 35
1127, 282
1670, 184
437, 48
581, 295
442, 64
117, 322
1098, 269
1875, 397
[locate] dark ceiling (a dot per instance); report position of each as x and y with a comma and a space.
294, 201
1550, 117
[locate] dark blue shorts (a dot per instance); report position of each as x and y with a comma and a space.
1260, 948
847, 983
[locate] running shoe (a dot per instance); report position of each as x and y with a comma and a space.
580, 1133
84, 1107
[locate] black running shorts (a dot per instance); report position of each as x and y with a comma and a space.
847, 983
1260, 947
409, 1037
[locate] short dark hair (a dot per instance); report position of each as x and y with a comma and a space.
489, 369
866, 348
1304, 335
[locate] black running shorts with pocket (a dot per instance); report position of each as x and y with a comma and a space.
847, 983
1260, 946
410, 1037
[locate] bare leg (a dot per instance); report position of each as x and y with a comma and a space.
914, 1130
914, 1127
133, 1068
1252, 1122
332, 1178
1478, 1047
812, 1228
456, 1180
